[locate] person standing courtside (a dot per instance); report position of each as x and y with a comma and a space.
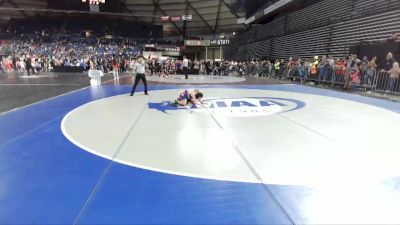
185, 65
28, 63
140, 68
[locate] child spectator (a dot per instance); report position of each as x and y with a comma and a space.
355, 76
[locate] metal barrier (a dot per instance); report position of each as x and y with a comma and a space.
298, 74
387, 83
326, 77
340, 77
365, 81
368, 80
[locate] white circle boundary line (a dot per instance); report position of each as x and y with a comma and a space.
182, 174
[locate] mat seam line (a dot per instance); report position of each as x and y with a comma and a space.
307, 128
107, 169
30, 131
253, 170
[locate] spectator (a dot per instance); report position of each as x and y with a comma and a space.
332, 66
394, 74
277, 68
340, 67
388, 64
28, 63
116, 67
370, 70
314, 66
355, 76
350, 64
323, 69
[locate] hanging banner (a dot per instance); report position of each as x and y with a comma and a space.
187, 17
171, 49
220, 42
197, 42
165, 18
174, 54
176, 18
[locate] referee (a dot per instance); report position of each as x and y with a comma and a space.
140, 68
185, 65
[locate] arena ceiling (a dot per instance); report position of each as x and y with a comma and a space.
209, 16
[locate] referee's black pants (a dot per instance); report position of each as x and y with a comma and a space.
185, 70
139, 76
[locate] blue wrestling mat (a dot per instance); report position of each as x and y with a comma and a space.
289, 155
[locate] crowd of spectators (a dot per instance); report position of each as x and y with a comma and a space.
44, 51
350, 72
203, 67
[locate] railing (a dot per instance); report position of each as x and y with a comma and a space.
387, 83
369, 80
365, 80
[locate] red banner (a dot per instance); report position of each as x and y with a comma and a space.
176, 18
165, 18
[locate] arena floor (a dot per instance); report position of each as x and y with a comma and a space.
257, 152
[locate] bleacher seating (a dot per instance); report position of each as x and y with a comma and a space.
372, 28
365, 6
327, 27
303, 44
276, 27
318, 14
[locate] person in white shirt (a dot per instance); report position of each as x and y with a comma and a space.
140, 69
21, 66
185, 65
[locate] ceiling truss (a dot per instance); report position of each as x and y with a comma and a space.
209, 16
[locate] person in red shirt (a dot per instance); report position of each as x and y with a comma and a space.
115, 65
340, 71
355, 77
340, 66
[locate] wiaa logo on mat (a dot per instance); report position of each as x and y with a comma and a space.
236, 107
